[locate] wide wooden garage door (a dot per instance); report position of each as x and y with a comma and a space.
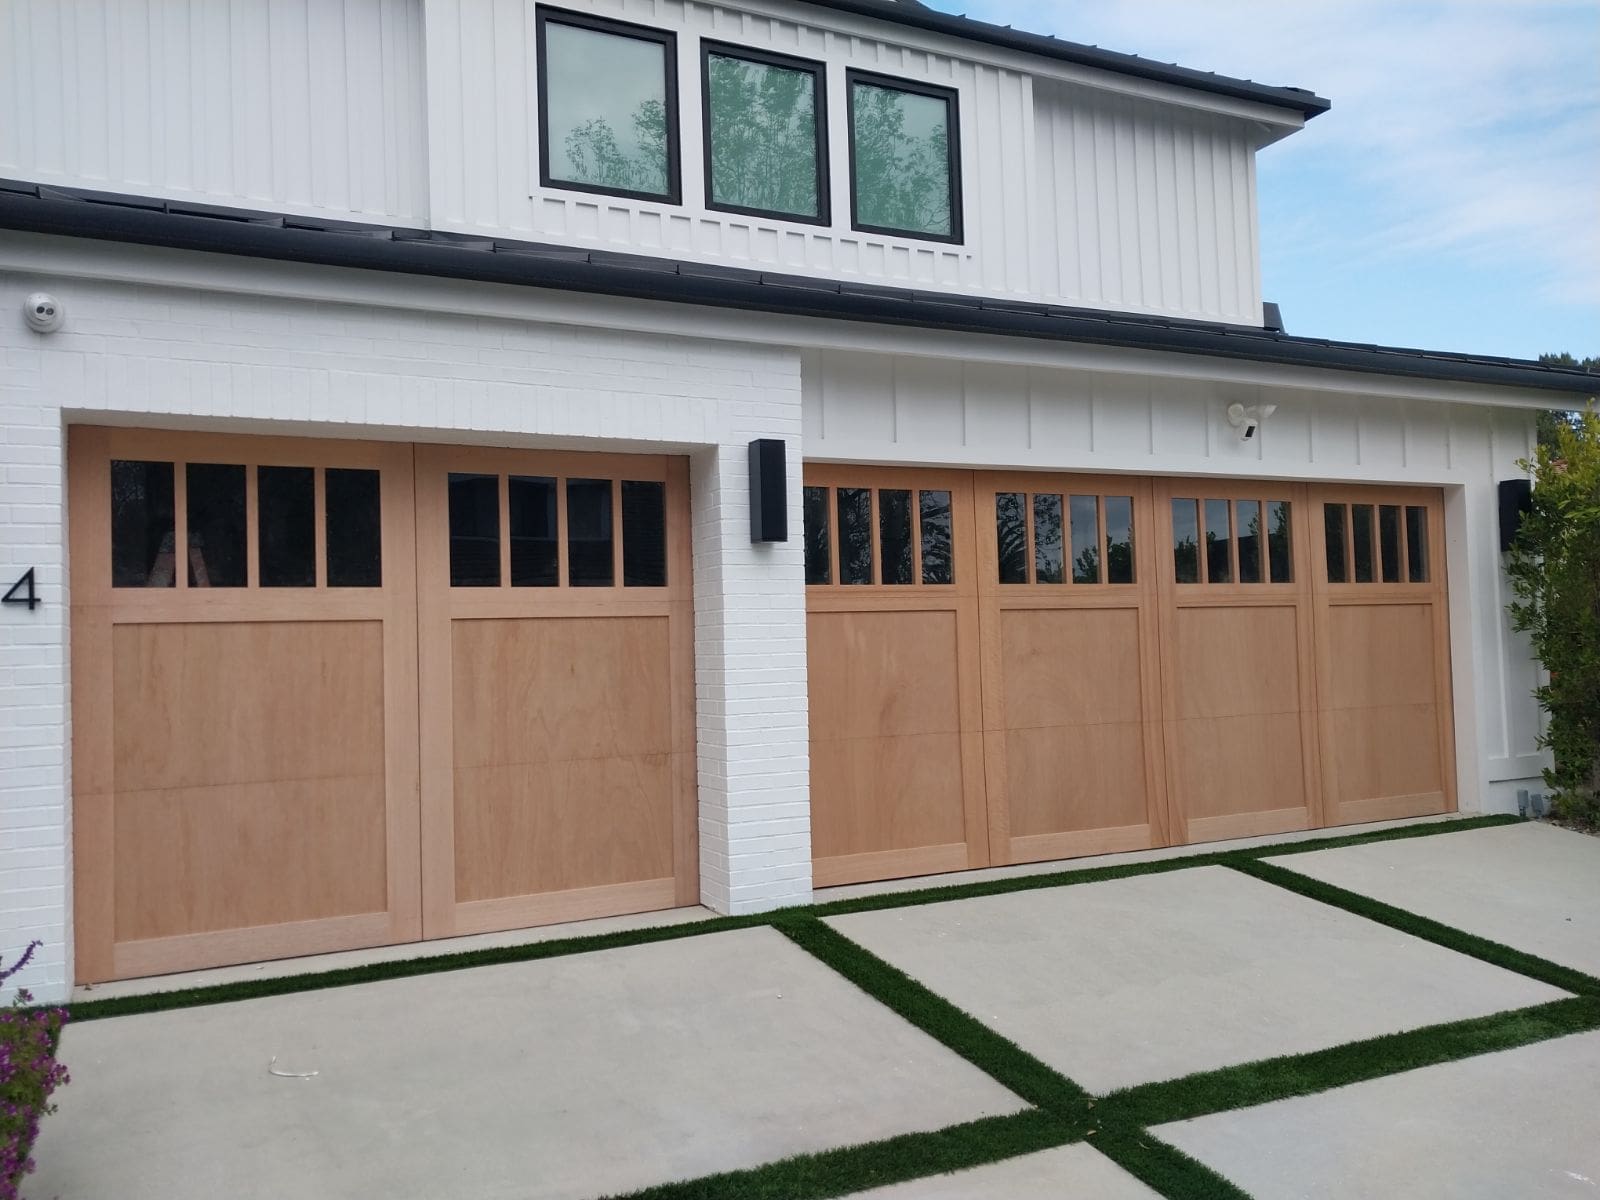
259, 767
1156, 662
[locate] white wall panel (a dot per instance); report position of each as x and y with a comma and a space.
307, 106
1144, 208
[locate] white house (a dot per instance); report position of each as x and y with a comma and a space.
379, 382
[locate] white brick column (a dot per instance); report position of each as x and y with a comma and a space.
750, 682
33, 667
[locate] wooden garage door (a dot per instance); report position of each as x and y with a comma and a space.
558, 773
244, 699
257, 769
1159, 661
1383, 653
892, 649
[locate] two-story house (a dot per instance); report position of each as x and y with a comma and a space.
484, 463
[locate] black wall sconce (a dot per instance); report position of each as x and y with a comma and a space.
769, 492
1516, 500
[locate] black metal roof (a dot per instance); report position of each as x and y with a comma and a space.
142, 220
1307, 104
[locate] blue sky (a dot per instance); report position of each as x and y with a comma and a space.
1450, 199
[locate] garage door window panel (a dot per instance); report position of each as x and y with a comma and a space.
1417, 543
644, 533
895, 539
353, 527
590, 548
819, 543
215, 508
1049, 551
938, 560
855, 536
143, 524
535, 531
286, 526
1280, 545
1119, 539
474, 530
1085, 512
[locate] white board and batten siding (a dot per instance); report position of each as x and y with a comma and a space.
1152, 210
311, 107
424, 112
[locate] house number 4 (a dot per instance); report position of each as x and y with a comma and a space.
22, 592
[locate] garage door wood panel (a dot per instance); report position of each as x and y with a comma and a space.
1239, 697
1383, 653
244, 753
892, 652
255, 705
1066, 575
557, 727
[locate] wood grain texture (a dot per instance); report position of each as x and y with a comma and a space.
557, 723
1386, 721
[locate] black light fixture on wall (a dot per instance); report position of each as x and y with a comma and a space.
1516, 500
769, 492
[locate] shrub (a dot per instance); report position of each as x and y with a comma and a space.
1555, 572
29, 1073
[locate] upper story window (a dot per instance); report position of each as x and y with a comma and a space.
905, 158
608, 103
765, 123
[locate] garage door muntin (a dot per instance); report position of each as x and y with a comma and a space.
310, 689
1253, 683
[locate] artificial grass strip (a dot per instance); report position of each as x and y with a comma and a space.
1070, 877
492, 956
250, 989
1252, 1084
1164, 1168
833, 1173
1000, 1058
1531, 965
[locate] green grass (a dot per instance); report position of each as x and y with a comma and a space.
1565, 978
119, 1006
996, 1056
1168, 1171
1272, 1079
877, 1164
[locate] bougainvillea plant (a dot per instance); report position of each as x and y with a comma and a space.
29, 1073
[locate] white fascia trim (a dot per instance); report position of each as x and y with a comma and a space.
45, 255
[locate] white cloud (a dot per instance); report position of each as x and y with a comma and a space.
1470, 127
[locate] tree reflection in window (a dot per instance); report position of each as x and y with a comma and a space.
1186, 540
1119, 539
903, 161
1086, 539
1011, 536
938, 563
855, 535
608, 109
762, 127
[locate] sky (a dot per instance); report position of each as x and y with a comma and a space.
1450, 199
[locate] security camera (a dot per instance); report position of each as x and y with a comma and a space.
1248, 420
43, 312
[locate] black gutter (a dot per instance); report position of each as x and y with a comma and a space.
144, 221
1307, 104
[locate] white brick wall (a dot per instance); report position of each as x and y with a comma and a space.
176, 358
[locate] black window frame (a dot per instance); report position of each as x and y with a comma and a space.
819, 73
668, 41
952, 98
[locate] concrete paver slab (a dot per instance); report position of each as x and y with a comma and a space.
1520, 1123
1153, 977
1068, 1173
1530, 886
567, 1078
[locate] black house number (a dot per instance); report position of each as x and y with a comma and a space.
22, 592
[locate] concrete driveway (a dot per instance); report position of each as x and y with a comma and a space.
597, 1074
